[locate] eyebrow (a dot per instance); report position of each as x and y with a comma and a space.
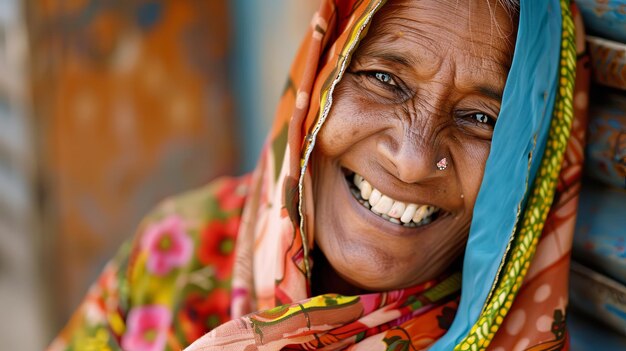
391, 57
491, 92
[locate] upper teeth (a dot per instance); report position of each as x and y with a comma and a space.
395, 211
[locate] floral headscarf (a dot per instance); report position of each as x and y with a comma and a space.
246, 276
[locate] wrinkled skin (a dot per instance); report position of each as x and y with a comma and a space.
413, 94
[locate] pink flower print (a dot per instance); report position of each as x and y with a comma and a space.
231, 194
168, 245
147, 328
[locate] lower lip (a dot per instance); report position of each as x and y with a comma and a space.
386, 226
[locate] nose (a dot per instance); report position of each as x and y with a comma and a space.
412, 156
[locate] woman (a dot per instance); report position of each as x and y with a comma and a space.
382, 179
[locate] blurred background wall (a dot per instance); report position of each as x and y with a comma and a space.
20, 287
108, 106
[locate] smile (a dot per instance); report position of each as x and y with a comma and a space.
384, 206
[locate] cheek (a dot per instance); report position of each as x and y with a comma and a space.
470, 168
331, 140
336, 135
350, 120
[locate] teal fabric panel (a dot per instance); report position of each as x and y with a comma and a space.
600, 236
520, 131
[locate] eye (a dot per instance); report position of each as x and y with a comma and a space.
382, 85
385, 78
475, 123
482, 119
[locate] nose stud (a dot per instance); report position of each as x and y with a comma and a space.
442, 164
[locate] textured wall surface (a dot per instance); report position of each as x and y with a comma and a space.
133, 103
21, 319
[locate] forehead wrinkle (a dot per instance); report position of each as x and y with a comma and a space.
424, 13
489, 80
418, 29
388, 39
480, 34
448, 13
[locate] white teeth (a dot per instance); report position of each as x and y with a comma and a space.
398, 212
420, 214
366, 190
375, 197
397, 209
407, 216
357, 180
383, 205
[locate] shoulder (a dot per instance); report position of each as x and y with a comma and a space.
187, 239
182, 257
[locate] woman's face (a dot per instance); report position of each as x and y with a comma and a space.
425, 84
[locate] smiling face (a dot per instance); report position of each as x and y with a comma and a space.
425, 84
